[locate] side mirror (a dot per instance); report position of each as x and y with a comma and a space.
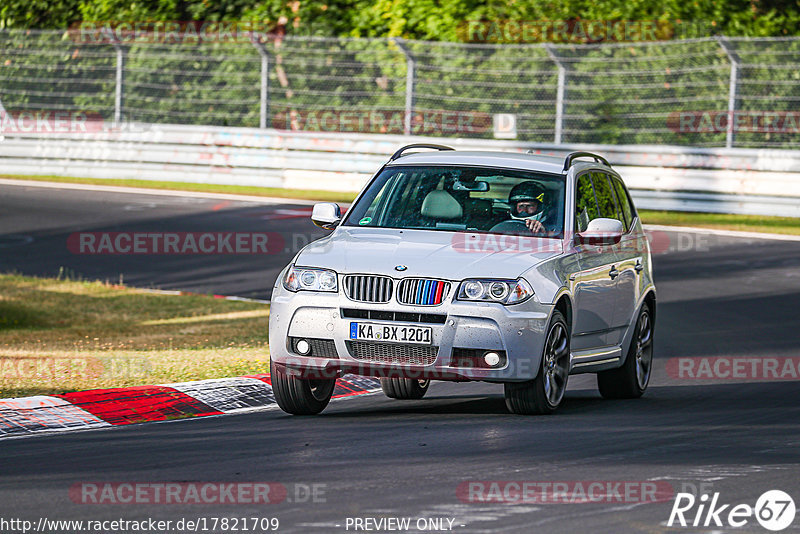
326, 215
601, 232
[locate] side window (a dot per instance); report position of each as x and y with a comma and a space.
606, 203
585, 206
624, 201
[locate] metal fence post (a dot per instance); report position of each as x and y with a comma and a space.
120, 77
560, 92
410, 77
120, 84
262, 50
733, 57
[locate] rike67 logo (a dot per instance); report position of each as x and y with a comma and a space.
774, 510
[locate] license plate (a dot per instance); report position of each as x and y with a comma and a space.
419, 335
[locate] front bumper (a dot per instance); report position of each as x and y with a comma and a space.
517, 330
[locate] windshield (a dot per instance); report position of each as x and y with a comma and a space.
463, 199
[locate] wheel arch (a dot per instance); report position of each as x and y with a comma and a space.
650, 300
564, 305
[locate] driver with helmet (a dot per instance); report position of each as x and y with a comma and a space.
526, 201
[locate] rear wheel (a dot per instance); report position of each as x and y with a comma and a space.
543, 394
404, 388
299, 396
630, 381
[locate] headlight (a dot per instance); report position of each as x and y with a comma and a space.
310, 279
500, 291
473, 290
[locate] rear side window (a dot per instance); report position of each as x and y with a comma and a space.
585, 204
606, 203
624, 202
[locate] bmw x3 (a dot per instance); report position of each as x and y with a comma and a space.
509, 268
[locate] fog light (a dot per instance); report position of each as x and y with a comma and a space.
302, 347
491, 358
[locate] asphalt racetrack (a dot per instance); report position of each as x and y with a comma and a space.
372, 457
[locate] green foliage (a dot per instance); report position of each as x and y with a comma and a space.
41, 14
419, 19
48, 71
162, 10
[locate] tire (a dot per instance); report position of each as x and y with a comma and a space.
404, 388
544, 394
298, 396
630, 380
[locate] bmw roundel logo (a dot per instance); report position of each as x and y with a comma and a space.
400, 268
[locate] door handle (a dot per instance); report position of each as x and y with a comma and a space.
613, 273
639, 267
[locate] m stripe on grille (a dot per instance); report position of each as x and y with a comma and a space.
422, 291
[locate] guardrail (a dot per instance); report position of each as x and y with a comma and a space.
741, 181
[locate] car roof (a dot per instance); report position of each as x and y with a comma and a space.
512, 160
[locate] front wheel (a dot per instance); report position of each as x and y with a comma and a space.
404, 388
630, 380
543, 394
299, 396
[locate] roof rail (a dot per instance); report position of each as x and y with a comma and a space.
573, 155
418, 145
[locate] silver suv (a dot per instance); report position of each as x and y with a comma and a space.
511, 268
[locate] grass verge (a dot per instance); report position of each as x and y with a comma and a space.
724, 221
58, 336
746, 223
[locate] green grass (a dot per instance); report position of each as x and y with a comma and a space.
64, 335
274, 192
748, 223
723, 221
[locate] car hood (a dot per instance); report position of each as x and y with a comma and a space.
435, 254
